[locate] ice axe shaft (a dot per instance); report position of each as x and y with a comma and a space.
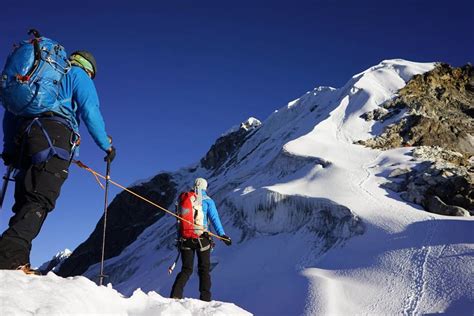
107, 181
6, 179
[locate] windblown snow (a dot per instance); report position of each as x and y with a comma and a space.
314, 233
53, 295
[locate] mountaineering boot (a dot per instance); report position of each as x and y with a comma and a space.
26, 268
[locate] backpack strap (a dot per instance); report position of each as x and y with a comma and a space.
37, 53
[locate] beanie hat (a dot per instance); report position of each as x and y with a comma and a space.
85, 60
200, 184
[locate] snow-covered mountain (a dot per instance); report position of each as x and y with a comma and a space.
314, 231
55, 263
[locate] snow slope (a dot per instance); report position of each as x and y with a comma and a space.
52, 295
313, 231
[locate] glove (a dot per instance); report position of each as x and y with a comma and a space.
111, 152
227, 240
8, 158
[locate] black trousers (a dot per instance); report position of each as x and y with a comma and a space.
37, 187
203, 251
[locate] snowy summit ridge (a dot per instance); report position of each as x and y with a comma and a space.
55, 263
249, 124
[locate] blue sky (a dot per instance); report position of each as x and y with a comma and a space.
174, 75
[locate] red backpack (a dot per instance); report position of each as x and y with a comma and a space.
190, 209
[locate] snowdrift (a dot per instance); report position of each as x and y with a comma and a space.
52, 295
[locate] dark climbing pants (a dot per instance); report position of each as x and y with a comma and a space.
188, 248
37, 187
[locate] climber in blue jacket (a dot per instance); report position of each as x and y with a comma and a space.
198, 241
41, 148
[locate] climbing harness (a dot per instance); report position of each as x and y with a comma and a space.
52, 150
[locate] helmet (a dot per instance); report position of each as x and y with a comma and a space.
85, 60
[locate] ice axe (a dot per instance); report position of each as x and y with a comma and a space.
171, 267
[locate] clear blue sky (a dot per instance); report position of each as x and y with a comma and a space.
173, 75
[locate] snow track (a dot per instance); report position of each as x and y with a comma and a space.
397, 271
418, 263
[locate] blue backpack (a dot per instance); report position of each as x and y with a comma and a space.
32, 75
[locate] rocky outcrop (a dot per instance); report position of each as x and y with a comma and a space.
126, 220
55, 263
439, 186
439, 109
435, 110
227, 145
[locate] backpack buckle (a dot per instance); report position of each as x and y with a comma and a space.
22, 79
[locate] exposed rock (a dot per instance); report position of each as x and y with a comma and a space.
377, 114
451, 184
394, 186
440, 112
438, 121
126, 220
439, 155
435, 205
55, 263
227, 145
398, 172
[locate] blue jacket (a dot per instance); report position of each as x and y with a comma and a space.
209, 210
79, 100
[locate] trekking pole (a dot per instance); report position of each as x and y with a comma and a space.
107, 180
6, 179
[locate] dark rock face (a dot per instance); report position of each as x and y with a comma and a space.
55, 263
50, 266
225, 147
440, 112
439, 121
126, 220
436, 205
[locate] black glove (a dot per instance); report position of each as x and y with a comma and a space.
8, 158
111, 152
226, 239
